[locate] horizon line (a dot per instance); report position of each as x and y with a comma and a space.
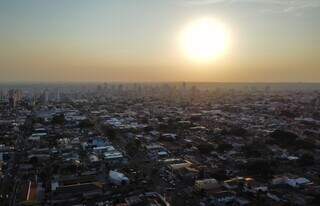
159, 82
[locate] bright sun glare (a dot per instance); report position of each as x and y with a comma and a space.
205, 40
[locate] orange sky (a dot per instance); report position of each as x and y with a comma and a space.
131, 41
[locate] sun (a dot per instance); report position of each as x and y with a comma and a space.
205, 40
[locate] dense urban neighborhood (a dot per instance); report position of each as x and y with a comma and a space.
159, 145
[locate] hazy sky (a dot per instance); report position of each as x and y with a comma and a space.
137, 40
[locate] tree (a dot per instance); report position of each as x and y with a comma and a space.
34, 161
85, 124
58, 119
307, 159
224, 147
133, 147
205, 148
316, 200
304, 144
260, 167
250, 151
110, 132
284, 138
238, 131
